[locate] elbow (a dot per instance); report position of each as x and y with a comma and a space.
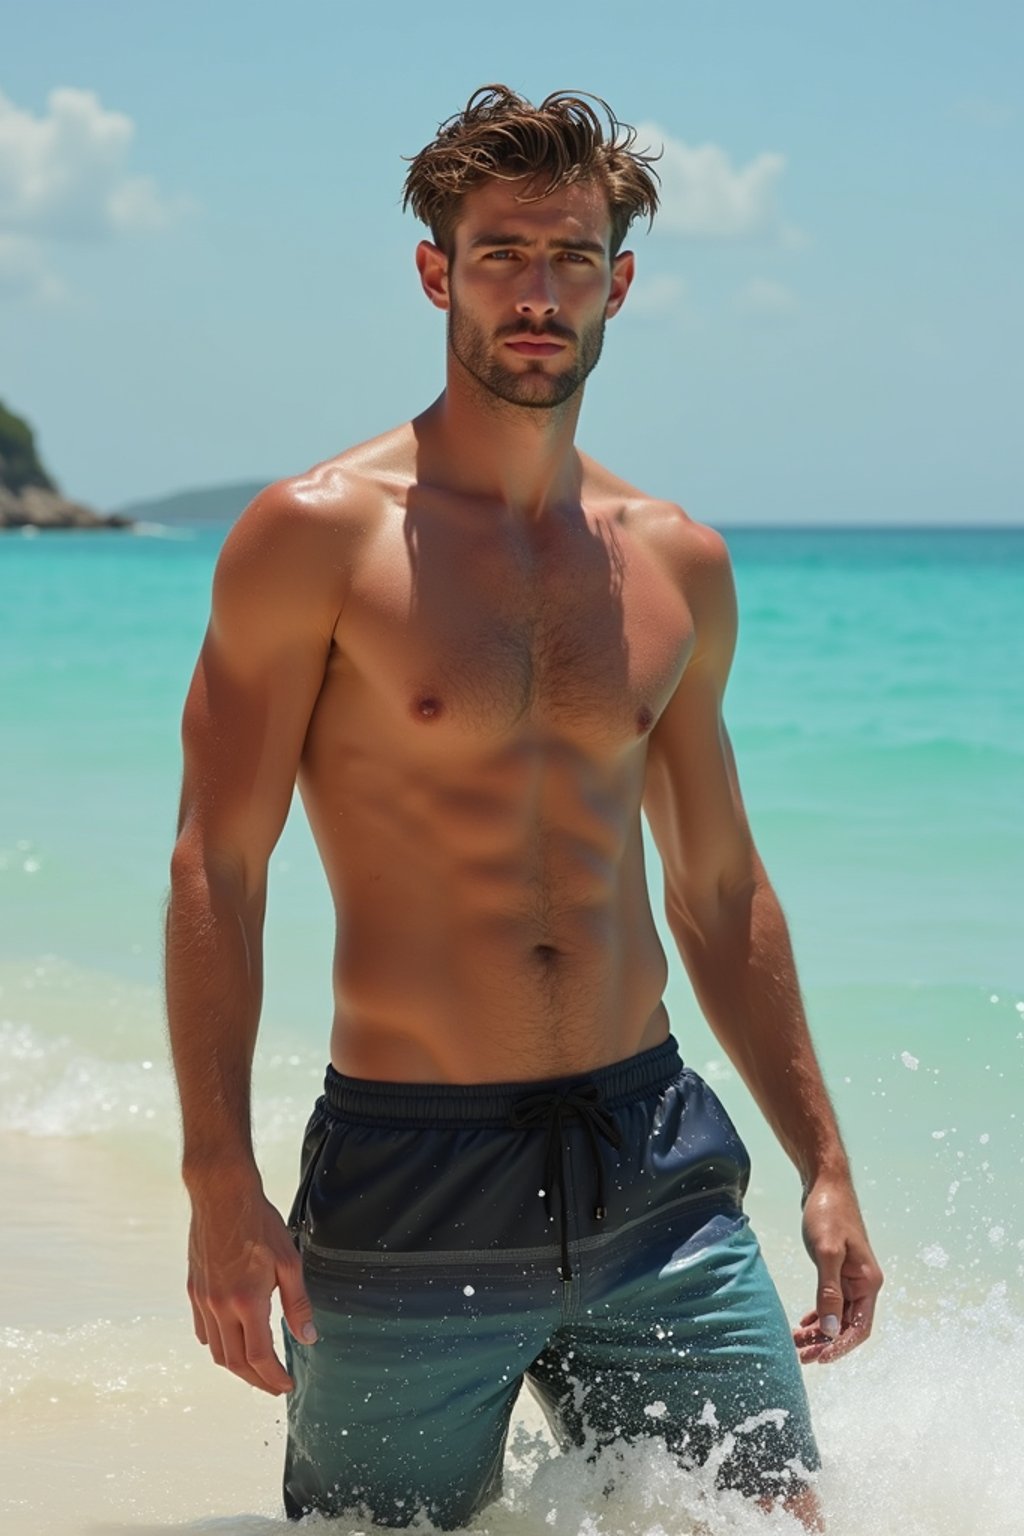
195, 863
184, 862
191, 882
705, 917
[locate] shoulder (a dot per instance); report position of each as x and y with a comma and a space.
694, 556
686, 547
324, 509
298, 542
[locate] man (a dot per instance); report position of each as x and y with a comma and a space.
480, 654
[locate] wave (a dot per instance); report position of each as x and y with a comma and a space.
84, 1056
919, 1431
144, 530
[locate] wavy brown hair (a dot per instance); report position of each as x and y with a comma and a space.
500, 134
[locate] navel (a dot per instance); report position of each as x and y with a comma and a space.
427, 706
546, 953
644, 719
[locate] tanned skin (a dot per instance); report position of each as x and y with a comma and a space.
479, 654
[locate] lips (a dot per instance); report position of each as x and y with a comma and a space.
528, 346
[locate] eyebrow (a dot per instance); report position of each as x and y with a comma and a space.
593, 246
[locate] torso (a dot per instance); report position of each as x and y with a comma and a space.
473, 774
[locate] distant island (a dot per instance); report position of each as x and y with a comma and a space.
211, 504
29, 497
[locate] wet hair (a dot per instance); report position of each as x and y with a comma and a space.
501, 135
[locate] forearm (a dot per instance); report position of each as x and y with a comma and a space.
214, 992
737, 952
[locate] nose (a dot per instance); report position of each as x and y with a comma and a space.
537, 300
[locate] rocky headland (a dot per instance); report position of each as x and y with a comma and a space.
29, 497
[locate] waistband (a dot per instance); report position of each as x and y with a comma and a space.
439, 1104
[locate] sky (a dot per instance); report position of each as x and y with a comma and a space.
206, 274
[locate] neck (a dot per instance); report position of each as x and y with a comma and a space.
476, 444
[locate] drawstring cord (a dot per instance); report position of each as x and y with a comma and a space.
556, 1109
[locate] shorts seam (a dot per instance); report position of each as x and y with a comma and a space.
399, 1259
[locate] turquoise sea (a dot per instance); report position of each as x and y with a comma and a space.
877, 709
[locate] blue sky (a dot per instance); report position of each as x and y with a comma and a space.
205, 273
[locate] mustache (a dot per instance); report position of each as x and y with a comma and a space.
524, 328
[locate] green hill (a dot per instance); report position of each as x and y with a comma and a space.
20, 465
208, 504
29, 497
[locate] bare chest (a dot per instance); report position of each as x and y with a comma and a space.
582, 634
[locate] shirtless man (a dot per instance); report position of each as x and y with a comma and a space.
480, 654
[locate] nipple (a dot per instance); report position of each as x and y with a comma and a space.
644, 720
428, 707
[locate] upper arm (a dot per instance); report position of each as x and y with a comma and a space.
277, 589
692, 797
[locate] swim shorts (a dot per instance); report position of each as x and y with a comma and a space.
585, 1235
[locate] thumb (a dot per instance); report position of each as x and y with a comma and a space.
830, 1296
295, 1303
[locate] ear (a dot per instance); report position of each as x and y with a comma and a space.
623, 271
432, 266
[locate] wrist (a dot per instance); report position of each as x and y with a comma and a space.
220, 1177
831, 1173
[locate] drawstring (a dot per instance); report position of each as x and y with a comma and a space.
555, 1109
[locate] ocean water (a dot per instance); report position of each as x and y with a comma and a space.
877, 709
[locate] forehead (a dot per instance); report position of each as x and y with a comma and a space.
576, 212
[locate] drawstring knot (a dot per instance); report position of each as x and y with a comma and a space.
555, 1108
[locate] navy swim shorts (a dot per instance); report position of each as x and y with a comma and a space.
585, 1235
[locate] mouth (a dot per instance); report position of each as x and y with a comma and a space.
535, 346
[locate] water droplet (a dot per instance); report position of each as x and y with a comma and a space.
468, 1290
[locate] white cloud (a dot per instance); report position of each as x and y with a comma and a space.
64, 174
704, 196
762, 296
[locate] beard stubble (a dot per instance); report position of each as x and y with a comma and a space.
534, 389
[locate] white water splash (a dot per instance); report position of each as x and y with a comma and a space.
919, 1433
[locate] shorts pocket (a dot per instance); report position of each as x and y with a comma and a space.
313, 1145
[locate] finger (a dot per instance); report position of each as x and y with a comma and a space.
830, 1299
295, 1302
847, 1341
238, 1361
227, 1346
258, 1345
197, 1321
809, 1330
213, 1335
860, 1315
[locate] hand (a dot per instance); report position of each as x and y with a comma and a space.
849, 1278
239, 1251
